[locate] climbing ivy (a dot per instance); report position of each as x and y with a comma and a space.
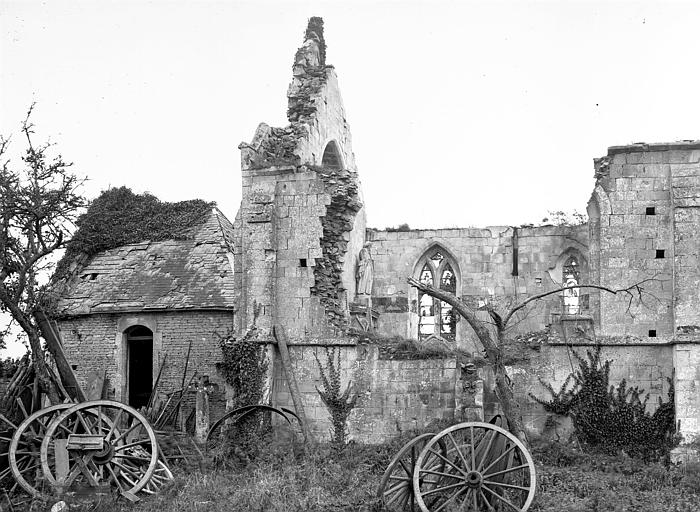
339, 403
613, 418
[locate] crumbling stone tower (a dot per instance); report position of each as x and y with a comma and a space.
301, 222
644, 224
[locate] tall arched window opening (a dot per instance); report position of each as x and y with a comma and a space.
435, 316
331, 156
571, 277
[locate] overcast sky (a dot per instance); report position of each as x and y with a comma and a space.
462, 113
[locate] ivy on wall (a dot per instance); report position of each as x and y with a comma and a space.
243, 366
613, 418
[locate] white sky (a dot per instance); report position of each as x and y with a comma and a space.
462, 113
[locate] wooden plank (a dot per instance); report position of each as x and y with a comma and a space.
281, 337
61, 459
95, 384
85, 442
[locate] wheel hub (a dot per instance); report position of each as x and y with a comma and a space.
104, 456
474, 479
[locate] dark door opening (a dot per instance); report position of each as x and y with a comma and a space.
139, 341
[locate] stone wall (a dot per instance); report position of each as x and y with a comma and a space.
97, 342
647, 366
394, 395
400, 395
483, 262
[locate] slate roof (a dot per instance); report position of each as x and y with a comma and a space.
150, 276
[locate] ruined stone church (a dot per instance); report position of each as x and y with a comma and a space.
299, 255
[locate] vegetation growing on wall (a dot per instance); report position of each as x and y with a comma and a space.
337, 224
243, 366
339, 403
613, 419
561, 218
119, 217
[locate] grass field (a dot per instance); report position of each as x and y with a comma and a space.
285, 478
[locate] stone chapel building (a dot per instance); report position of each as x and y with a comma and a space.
300, 235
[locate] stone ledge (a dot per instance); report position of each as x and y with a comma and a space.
640, 147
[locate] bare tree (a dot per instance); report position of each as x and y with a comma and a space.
494, 347
39, 203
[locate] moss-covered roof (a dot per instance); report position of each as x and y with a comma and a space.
181, 257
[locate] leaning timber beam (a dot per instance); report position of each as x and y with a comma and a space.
281, 337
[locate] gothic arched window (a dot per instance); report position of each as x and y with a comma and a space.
435, 316
571, 276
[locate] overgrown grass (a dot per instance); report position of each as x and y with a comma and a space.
283, 478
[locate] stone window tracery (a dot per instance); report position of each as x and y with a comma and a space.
571, 277
435, 316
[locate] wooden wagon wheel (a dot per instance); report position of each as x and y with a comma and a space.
161, 476
24, 450
99, 444
486, 468
396, 486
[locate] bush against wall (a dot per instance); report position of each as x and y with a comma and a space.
613, 419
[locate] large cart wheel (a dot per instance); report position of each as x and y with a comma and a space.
100, 444
486, 468
396, 486
24, 452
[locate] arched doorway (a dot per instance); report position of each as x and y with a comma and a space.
139, 347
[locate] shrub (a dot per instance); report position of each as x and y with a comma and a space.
613, 419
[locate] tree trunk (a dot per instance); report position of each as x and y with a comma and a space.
511, 408
42, 372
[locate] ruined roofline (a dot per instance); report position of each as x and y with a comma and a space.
483, 232
639, 147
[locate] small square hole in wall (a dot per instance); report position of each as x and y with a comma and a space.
660, 254
74, 366
302, 262
652, 333
651, 210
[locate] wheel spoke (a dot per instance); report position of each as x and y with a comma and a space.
510, 486
128, 470
114, 424
517, 509
499, 458
396, 487
459, 452
131, 445
115, 478
488, 448
471, 434
132, 457
486, 501
446, 487
450, 499
448, 461
126, 432
440, 473
507, 470
408, 471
